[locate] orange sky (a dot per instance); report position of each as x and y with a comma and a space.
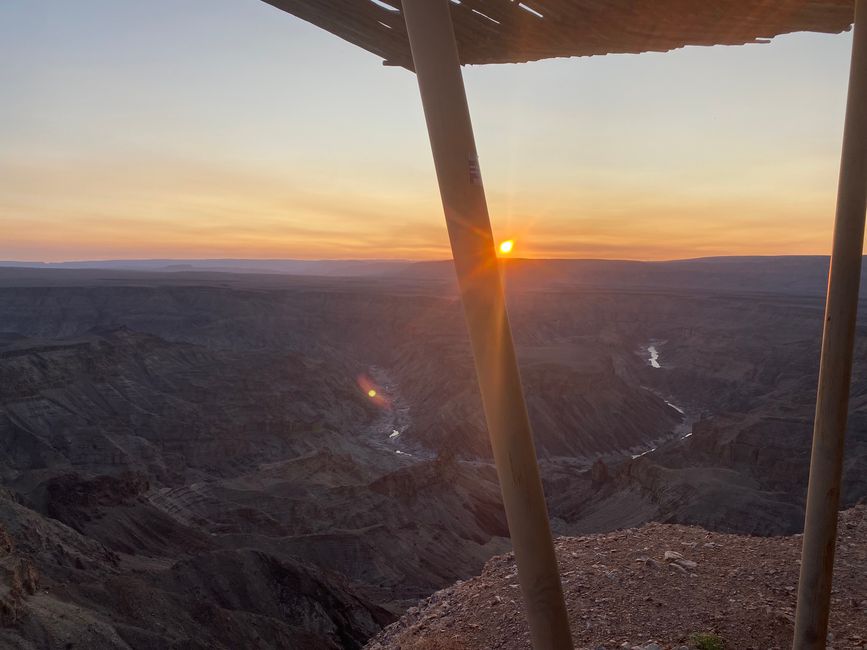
171, 131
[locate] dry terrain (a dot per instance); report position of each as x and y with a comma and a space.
195, 445
658, 587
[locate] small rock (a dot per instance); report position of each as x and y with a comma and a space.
674, 565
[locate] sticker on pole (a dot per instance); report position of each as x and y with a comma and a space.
475, 171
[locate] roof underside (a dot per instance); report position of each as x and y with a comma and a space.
509, 31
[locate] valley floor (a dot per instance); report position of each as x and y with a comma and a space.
651, 587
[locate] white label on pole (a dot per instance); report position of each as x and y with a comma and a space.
475, 171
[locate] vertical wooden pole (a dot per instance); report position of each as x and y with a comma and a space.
435, 56
835, 368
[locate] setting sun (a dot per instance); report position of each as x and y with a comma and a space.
507, 246
371, 393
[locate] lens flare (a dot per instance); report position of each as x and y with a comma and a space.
376, 393
507, 246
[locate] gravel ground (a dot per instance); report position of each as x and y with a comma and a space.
651, 587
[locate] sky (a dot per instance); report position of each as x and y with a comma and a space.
229, 129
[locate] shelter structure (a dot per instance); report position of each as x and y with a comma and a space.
434, 38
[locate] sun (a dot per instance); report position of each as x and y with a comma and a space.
371, 393
507, 246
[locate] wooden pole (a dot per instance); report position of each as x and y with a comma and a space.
835, 368
435, 57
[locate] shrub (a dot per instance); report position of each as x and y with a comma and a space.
705, 641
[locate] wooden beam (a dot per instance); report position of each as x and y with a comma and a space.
835, 368
435, 55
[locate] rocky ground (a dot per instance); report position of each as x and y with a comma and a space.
657, 587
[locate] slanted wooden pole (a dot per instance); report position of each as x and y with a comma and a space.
835, 368
435, 58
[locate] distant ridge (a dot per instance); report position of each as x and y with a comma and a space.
349, 268
788, 274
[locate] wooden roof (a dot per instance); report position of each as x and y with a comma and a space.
512, 31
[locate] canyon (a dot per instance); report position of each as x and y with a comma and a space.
299, 458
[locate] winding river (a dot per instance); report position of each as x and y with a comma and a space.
684, 430
654, 356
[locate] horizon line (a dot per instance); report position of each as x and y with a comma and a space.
396, 260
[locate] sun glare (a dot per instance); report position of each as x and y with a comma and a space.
507, 246
371, 393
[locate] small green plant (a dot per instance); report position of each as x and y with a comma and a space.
705, 641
